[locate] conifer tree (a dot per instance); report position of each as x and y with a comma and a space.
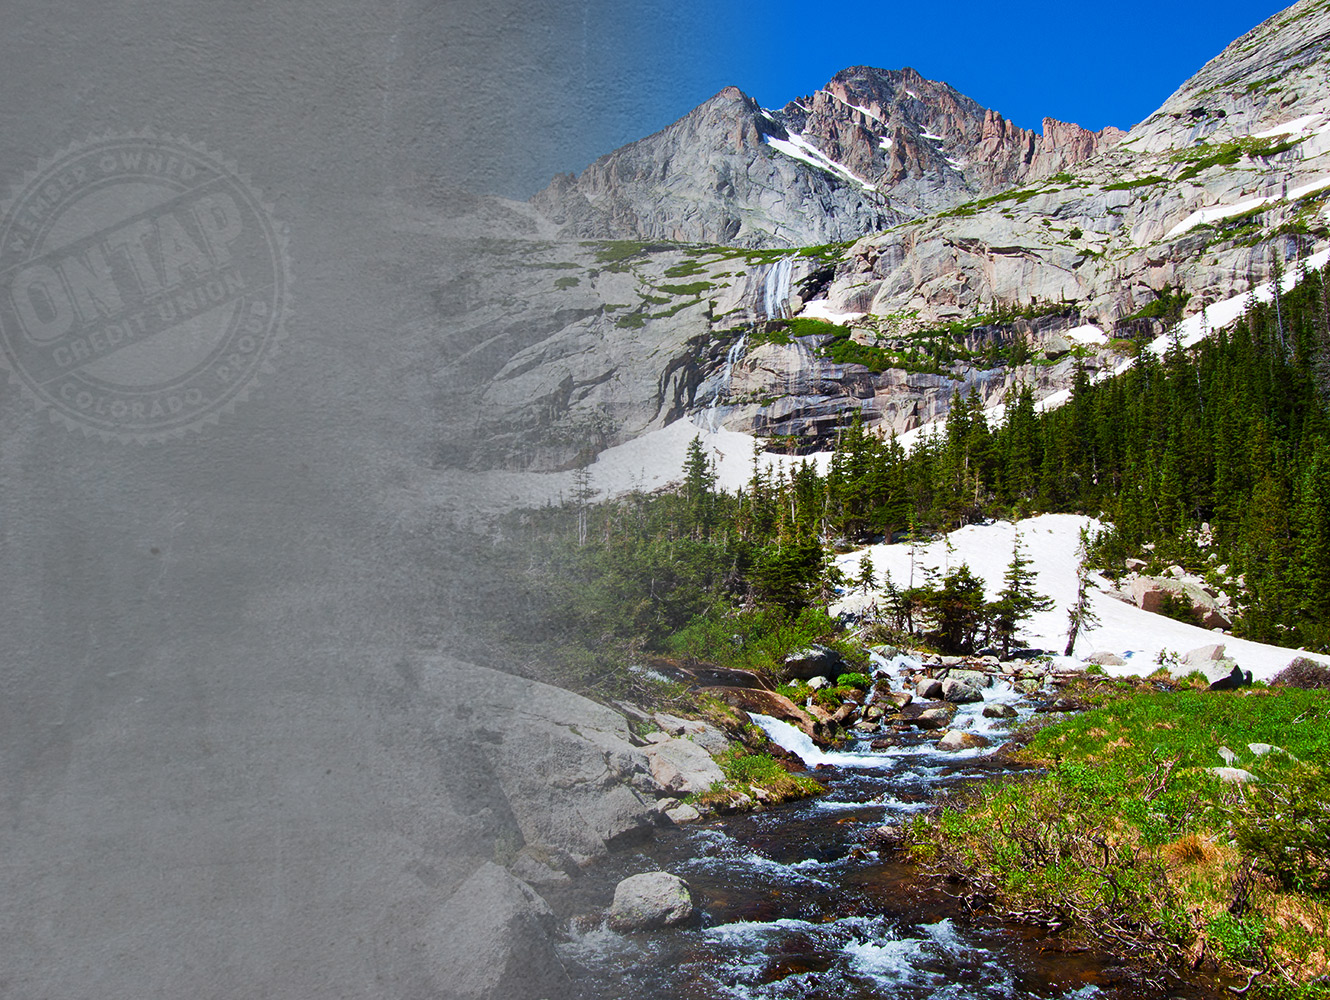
1016, 601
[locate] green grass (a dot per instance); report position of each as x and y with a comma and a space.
1138, 182
1128, 839
1227, 154
692, 288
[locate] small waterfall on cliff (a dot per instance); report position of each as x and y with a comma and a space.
776, 289
711, 416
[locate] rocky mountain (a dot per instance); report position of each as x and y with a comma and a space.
870, 149
1007, 252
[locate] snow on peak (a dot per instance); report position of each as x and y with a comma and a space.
799, 148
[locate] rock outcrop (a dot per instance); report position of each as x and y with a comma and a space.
494, 937
871, 148
567, 769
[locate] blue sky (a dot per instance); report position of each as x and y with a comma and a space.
600, 73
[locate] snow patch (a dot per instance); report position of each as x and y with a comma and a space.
799, 148
885, 142
1311, 188
1087, 334
1306, 125
821, 309
1050, 542
929, 135
871, 114
1204, 215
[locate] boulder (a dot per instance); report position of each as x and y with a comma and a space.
1203, 656
565, 765
682, 767
1105, 659
955, 739
1147, 592
928, 687
959, 693
681, 812
1232, 775
845, 714
815, 661
494, 937
977, 679
763, 702
818, 683
900, 698
929, 715
650, 900
1055, 347
999, 711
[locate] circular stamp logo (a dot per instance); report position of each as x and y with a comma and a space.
143, 287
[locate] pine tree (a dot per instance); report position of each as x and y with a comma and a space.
1081, 617
1017, 600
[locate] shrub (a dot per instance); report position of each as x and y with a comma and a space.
1303, 673
860, 681
1285, 827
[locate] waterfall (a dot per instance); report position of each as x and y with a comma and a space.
733, 356
797, 742
776, 289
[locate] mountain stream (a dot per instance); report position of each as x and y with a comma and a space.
795, 903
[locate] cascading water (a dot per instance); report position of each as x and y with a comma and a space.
711, 416
776, 289
795, 905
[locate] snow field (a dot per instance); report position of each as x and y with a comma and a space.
1050, 542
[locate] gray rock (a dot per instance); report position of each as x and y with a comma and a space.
650, 900
705, 735
977, 679
566, 766
958, 740
1105, 659
928, 687
818, 683
1203, 656
682, 767
494, 937
1232, 775
815, 661
958, 692
999, 711
682, 812
929, 715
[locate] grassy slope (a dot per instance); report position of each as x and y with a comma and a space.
1129, 839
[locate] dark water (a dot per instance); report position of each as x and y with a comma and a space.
794, 903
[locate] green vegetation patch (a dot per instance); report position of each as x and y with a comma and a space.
1138, 182
1227, 154
692, 288
1129, 837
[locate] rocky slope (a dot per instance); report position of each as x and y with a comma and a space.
871, 148
1065, 240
